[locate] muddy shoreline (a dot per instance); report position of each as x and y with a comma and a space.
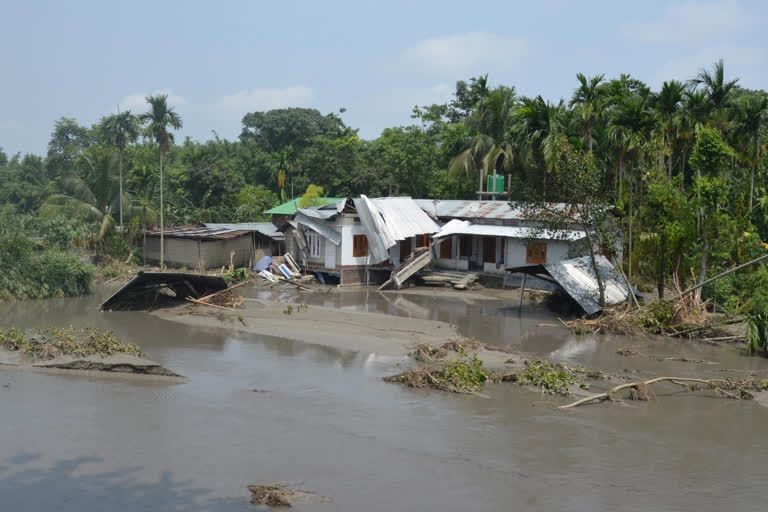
94, 365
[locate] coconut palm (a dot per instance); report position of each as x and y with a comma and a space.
120, 130
752, 115
541, 126
158, 119
489, 149
588, 97
90, 195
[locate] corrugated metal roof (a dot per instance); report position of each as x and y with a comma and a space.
387, 220
320, 226
460, 209
577, 277
290, 207
464, 227
265, 228
200, 233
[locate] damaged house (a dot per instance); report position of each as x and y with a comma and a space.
214, 245
490, 236
359, 241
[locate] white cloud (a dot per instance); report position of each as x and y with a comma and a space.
137, 102
740, 61
466, 54
252, 100
690, 22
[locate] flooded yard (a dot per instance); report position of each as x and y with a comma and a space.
259, 409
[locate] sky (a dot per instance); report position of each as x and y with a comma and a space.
219, 60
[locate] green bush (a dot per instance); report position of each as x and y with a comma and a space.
31, 270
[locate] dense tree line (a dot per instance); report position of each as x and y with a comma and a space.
683, 165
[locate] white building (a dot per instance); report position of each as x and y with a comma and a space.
491, 236
361, 240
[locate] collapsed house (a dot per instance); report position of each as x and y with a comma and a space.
359, 241
213, 245
490, 236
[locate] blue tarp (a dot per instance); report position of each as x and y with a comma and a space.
263, 264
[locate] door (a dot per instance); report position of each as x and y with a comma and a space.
446, 249
489, 249
330, 255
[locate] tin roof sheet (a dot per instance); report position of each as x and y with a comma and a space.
199, 233
463, 227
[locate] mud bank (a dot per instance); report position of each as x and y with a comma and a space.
116, 363
374, 333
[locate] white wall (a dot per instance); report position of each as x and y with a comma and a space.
557, 250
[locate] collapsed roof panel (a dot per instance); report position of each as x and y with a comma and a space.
577, 277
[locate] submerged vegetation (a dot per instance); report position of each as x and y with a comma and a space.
49, 343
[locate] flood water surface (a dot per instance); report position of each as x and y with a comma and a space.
257, 409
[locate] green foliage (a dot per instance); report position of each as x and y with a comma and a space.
552, 378
711, 154
757, 333
465, 374
310, 197
37, 272
237, 275
656, 316
49, 343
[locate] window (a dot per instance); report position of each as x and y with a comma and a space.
359, 246
536, 253
422, 241
313, 241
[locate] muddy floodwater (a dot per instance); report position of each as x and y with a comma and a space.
258, 409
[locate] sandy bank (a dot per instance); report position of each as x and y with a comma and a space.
116, 363
344, 330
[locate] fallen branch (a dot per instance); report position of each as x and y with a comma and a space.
196, 301
212, 295
718, 385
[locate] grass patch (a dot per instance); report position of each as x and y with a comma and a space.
52, 342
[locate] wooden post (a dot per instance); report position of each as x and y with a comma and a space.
522, 291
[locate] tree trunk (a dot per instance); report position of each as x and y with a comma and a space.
661, 267
703, 268
751, 189
121, 191
629, 259
588, 136
162, 242
144, 231
593, 260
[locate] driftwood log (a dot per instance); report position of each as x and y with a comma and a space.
639, 389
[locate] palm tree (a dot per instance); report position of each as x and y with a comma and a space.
717, 89
120, 130
90, 195
489, 147
588, 96
542, 127
144, 182
158, 119
752, 112
668, 104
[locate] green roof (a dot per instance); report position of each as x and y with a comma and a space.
290, 207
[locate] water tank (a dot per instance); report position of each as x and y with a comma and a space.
499, 186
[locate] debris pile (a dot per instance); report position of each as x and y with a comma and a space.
281, 496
